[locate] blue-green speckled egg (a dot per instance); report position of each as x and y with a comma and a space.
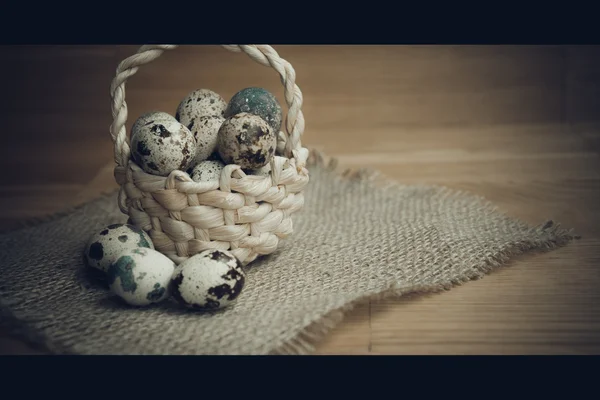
256, 101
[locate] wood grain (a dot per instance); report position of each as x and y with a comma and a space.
516, 124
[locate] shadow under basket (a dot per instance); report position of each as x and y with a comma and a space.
245, 214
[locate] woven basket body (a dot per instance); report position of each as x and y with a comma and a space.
246, 214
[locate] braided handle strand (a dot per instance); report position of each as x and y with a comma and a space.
263, 54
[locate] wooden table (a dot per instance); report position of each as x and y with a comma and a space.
517, 124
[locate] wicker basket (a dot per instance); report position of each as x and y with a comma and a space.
246, 214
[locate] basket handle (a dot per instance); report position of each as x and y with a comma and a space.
262, 54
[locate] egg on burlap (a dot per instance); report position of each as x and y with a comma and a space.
104, 247
207, 171
246, 140
256, 101
160, 144
201, 111
141, 276
208, 280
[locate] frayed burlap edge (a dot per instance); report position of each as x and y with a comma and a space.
303, 343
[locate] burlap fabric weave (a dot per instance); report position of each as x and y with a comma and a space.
357, 238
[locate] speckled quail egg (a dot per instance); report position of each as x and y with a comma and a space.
160, 144
148, 118
246, 140
141, 276
257, 101
201, 111
104, 247
206, 130
207, 171
200, 103
209, 280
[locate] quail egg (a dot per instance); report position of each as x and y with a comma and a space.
141, 276
200, 103
246, 140
208, 280
160, 144
207, 171
206, 130
201, 111
104, 247
257, 101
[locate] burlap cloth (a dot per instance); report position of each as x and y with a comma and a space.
358, 237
